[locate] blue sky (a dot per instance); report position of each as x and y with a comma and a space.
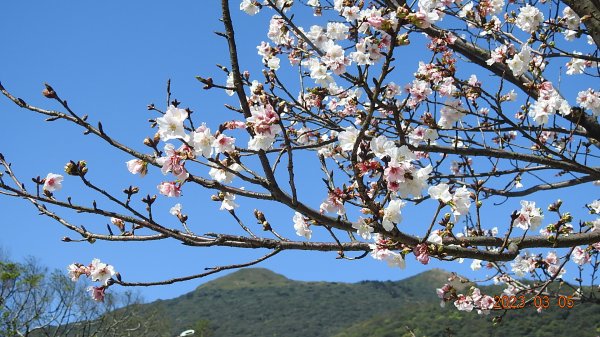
109, 60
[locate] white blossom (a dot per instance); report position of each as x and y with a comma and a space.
529, 18
53, 182
435, 237
476, 265
392, 214
101, 272
249, 7
228, 202
301, 226
170, 125
347, 138
222, 175
176, 209
363, 229
440, 192
529, 216
576, 65
202, 140
381, 145
451, 113
461, 201
520, 62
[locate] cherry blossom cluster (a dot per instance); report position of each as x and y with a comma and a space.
96, 271
473, 300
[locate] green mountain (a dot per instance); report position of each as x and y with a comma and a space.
258, 302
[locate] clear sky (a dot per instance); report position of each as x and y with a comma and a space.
110, 59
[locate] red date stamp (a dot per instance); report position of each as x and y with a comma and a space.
511, 302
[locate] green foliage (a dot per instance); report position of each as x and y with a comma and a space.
202, 328
258, 302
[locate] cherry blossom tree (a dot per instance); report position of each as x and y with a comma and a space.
500, 107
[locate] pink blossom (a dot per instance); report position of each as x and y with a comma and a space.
173, 162
375, 21
53, 182
136, 166
590, 99
497, 55
419, 90
97, 293
580, 256
76, 270
486, 303
232, 125
333, 203
393, 186
421, 253
464, 303
395, 171
223, 144
441, 292
170, 189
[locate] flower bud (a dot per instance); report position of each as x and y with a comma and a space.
71, 169
48, 92
260, 216
402, 40
566, 218
82, 167
266, 226
555, 206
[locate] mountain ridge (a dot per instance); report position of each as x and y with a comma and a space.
259, 302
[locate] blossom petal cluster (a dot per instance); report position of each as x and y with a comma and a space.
96, 271
53, 182
529, 216
301, 226
170, 125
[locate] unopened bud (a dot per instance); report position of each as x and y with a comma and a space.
566, 218
555, 206
48, 92
82, 167
266, 226
71, 169
260, 216
402, 40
